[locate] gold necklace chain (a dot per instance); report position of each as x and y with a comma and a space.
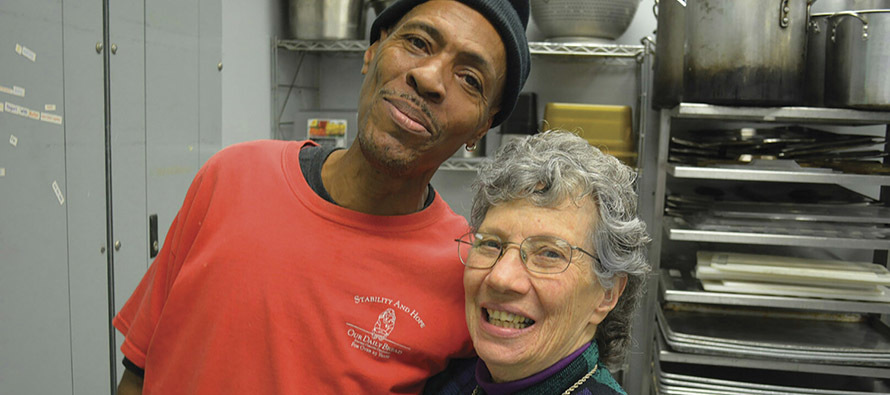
568, 391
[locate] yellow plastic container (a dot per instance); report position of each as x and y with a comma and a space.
606, 127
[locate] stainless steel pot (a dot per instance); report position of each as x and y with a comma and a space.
750, 52
817, 35
327, 19
832, 6
670, 34
857, 67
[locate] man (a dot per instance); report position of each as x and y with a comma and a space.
291, 268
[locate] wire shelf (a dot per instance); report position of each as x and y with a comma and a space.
536, 48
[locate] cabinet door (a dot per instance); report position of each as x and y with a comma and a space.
35, 323
126, 27
172, 104
210, 78
84, 111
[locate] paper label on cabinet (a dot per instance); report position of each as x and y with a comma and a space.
51, 118
2, 172
49, 107
29, 54
18, 48
58, 192
13, 141
16, 109
15, 90
33, 114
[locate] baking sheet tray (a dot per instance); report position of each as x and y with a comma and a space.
860, 213
849, 343
880, 294
783, 227
861, 277
677, 383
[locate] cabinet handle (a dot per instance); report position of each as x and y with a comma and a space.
153, 246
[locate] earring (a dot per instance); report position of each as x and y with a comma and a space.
470, 148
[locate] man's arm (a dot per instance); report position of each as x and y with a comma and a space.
131, 384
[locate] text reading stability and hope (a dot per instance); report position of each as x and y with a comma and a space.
395, 304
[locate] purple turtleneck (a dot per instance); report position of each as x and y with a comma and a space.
483, 376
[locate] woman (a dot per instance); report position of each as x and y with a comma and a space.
554, 267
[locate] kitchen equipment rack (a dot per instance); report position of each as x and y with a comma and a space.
570, 50
677, 287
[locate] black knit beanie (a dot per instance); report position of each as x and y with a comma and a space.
509, 18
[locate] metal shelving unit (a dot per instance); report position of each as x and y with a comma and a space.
462, 164
689, 290
603, 51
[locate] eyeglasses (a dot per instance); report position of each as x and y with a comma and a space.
539, 254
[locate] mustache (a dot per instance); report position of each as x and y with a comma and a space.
420, 103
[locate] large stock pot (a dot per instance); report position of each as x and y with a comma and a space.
667, 77
832, 6
750, 52
857, 67
327, 19
818, 32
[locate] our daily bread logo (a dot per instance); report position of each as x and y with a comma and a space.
374, 338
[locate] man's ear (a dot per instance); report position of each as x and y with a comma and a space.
485, 127
609, 300
480, 134
372, 51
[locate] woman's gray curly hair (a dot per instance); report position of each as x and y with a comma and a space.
547, 169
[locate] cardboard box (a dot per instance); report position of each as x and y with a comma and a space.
607, 127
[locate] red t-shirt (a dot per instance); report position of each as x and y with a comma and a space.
263, 287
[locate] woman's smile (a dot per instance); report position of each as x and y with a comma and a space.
505, 319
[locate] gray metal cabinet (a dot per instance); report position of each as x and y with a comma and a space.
56, 245
35, 325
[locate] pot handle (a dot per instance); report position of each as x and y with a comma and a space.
784, 13
836, 19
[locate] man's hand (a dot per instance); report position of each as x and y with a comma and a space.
130, 384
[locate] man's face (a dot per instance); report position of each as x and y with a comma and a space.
432, 83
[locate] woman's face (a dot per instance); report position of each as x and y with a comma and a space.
564, 309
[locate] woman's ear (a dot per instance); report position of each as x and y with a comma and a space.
609, 300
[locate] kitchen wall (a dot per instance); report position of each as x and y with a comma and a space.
247, 31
